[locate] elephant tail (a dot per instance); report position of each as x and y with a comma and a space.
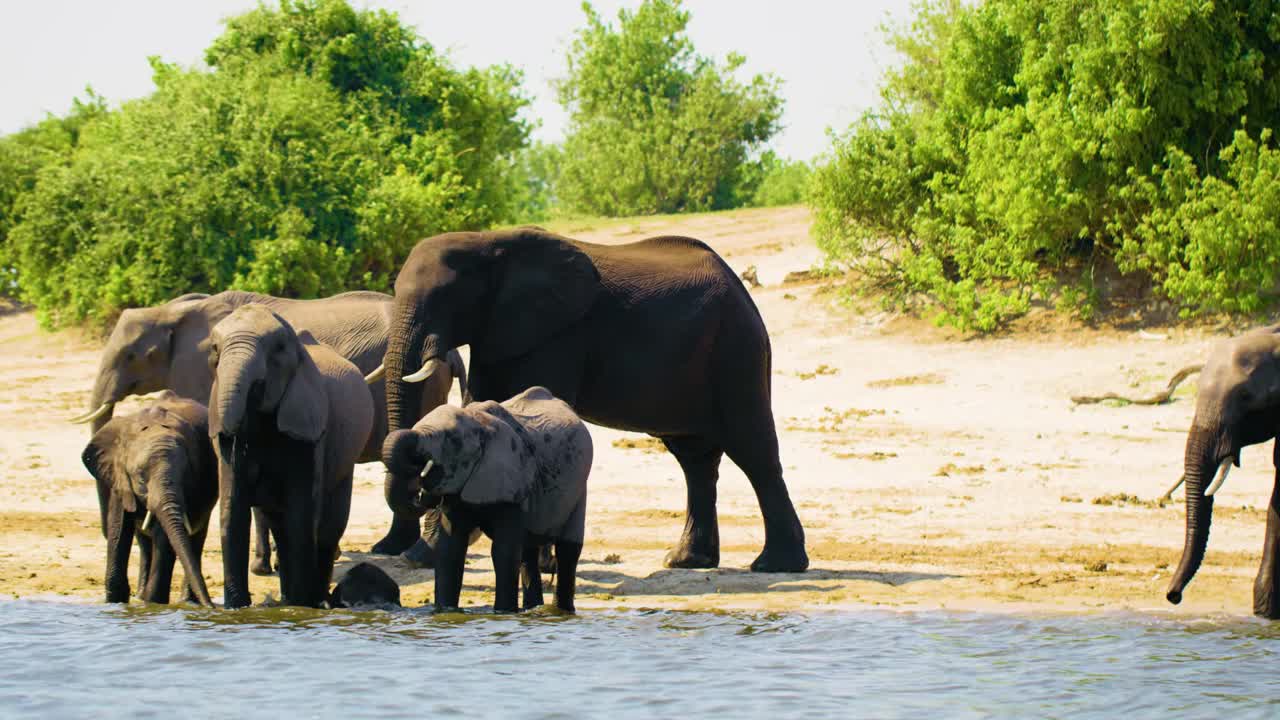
459, 370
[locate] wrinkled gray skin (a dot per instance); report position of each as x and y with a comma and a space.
1238, 404
657, 336
155, 468
516, 470
288, 418
365, 585
166, 348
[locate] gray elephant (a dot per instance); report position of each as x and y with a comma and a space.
157, 471
1238, 404
288, 418
166, 348
516, 470
365, 585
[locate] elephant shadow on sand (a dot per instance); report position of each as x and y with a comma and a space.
680, 582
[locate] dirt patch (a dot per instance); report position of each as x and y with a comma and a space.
909, 380
643, 444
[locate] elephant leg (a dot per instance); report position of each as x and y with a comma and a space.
422, 553
333, 523
261, 564
699, 545
547, 561
144, 563
451, 557
567, 554
507, 522
752, 444
1266, 588
531, 575
161, 576
400, 537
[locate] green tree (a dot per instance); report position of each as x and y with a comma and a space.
1023, 144
22, 156
324, 144
654, 127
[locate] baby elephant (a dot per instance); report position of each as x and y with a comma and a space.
365, 584
288, 417
516, 470
158, 482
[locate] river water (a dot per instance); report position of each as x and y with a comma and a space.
76, 660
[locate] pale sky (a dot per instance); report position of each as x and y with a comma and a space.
828, 53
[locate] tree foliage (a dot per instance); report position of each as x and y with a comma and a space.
654, 127
324, 142
1022, 142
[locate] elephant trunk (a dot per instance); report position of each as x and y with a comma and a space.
170, 512
234, 513
1200, 463
398, 451
102, 401
237, 374
119, 541
405, 345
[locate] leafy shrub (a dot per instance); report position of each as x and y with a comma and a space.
1021, 144
780, 182
654, 127
326, 142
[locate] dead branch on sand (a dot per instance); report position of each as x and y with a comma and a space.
1158, 399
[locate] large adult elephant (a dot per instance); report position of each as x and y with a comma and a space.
657, 336
166, 348
1238, 404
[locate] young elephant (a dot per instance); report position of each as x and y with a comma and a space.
516, 470
157, 471
288, 418
365, 584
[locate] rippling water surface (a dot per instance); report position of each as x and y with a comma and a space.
61, 660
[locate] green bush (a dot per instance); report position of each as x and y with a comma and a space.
779, 182
654, 127
323, 145
1021, 145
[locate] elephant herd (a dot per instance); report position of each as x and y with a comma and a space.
270, 403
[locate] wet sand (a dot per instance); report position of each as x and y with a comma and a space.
931, 469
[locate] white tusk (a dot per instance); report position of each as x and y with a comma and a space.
185, 521
103, 409
377, 374
427, 368
1221, 477
430, 464
146, 520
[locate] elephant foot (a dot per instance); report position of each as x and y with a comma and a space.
686, 556
399, 538
1266, 604
261, 566
419, 555
788, 559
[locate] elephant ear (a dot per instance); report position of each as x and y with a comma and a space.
303, 413
506, 469
544, 285
98, 459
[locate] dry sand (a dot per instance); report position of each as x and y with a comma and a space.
930, 470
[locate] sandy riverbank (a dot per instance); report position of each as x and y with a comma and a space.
929, 470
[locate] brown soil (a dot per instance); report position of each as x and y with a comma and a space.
931, 468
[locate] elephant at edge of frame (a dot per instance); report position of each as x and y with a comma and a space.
1238, 404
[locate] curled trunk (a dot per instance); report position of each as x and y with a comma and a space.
399, 450
1200, 464
103, 394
